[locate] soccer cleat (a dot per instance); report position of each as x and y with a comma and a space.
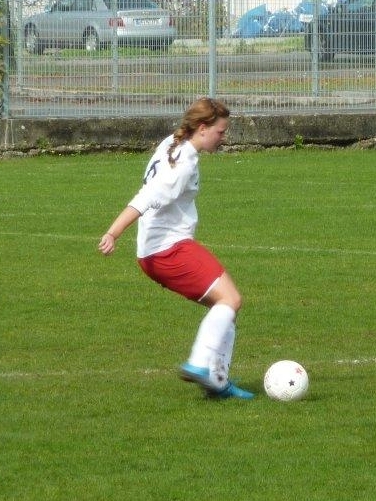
229, 391
194, 374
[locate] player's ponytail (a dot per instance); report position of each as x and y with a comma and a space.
203, 111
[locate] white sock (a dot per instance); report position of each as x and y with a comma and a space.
214, 343
219, 364
228, 346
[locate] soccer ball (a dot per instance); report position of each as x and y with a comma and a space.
286, 380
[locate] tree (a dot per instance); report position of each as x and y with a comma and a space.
191, 17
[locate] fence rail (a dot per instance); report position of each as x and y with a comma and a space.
325, 64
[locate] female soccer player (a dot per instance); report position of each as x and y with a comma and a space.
166, 249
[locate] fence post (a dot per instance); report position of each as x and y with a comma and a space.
315, 48
115, 49
212, 50
6, 53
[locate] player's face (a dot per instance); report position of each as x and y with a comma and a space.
214, 135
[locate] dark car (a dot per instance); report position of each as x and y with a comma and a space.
96, 23
348, 27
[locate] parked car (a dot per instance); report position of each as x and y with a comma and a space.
93, 24
349, 26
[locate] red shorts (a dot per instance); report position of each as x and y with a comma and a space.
187, 268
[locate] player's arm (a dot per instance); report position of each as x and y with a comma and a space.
121, 223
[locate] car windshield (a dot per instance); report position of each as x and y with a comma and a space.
132, 4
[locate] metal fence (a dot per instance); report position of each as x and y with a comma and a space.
103, 58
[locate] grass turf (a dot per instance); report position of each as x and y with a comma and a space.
90, 405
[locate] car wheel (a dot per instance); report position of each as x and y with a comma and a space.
325, 55
91, 41
32, 42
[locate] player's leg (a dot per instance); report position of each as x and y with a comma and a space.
222, 291
211, 354
192, 271
215, 337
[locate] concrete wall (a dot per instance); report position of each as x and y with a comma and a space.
30, 136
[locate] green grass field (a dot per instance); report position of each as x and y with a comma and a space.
91, 407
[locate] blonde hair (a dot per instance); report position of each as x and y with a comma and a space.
203, 111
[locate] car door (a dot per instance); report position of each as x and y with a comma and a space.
66, 20
51, 23
76, 19
58, 22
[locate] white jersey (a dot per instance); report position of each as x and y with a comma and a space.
166, 199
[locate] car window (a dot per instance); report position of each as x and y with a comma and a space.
62, 6
132, 4
72, 6
137, 4
83, 5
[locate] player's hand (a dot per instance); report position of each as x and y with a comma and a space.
107, 244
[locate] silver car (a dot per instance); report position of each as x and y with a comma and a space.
94, 24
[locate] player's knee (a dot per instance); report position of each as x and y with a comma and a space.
234, 300
237, 301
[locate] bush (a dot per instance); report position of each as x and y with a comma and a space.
191, 18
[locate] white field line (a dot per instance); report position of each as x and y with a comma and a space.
77, 374
149, 371
56, 236
253, 248
294, 248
